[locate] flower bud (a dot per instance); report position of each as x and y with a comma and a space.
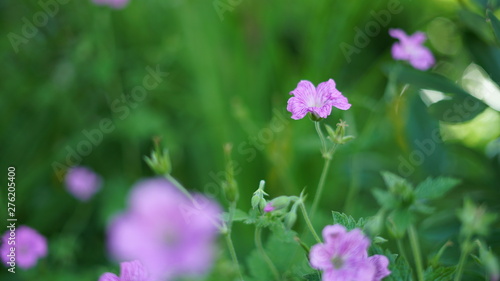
258, 197
290, 219
490, 262
475, 220
159, 161
230, 190
280, 202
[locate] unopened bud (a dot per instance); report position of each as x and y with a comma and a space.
290, 219
231, 190
280, 202
258, 200
159, 161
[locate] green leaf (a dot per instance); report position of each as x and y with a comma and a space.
238, 215
312, 277
385, 199
392, 181
459, 106
435, 188
439, 273
399, 221
495, 24
347, 221
457, 110
397, 185
284, 256
477, 24
423, 208
486, 56
426, 80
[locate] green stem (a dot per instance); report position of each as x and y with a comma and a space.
260, 248
412, 233
179, 186
321, 137
401, 249
232, 252
463, 257
321, 184
308, 222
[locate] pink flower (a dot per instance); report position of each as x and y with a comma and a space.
170, 234
29, 247
129, 271
116, 4
410, 48
82, 182
319, 101
269, 207
344, 256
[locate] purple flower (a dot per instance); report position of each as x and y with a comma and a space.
129, 271
269, 207
344, 256
170, 234
29, 247
409, 48
116, 4
319, 101
381, 263
82, 182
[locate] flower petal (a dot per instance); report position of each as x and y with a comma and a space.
417, 38
331, 96
320, 257
332, 232
109, 277
422, 58
133, 271
398, 52
398, 33
381, 263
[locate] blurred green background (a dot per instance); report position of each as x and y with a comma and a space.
228, 81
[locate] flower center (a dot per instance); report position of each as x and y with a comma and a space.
170, 238
337, 262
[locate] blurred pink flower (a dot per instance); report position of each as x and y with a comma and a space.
319, 101
410, 48
344, 256
82, 182
269, 207
29, 247
116, 4
129, 271
166, 231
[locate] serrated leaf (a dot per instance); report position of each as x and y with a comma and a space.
423, 208
347, 221
392, 181
385, 199
435, 188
